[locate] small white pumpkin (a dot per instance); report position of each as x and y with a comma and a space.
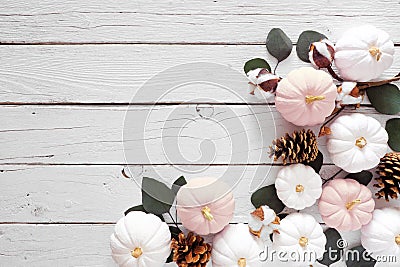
381, 236
140, 240
236, 247
302, 235
357, 142
298, 186
363, 53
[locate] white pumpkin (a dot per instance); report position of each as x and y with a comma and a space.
140, 240
298, 186
300, 235
236, 247
357, 142
363, 53
381, 237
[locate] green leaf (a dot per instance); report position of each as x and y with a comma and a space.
317, 163
278, 44
174, 234
363, 177
306, 38
256, 63
358, 257
267, 196
157, 198
385, 98
333, 248
141, 208
393, 129
181, 181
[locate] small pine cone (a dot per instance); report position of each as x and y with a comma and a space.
296, 148
190, 251
389, 180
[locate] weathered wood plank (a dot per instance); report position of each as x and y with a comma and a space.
80, 245
184, 21
118, 73
58, 194
172, 134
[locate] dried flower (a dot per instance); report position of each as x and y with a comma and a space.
348, 94
263, 84
322, 53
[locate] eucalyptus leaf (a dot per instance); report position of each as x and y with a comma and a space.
385, 98
181, 181
278, 44
393, 129
141, 208
256, 63
316, 164
363, 177
267, 196
333, 247
306, 38
157, 198
358, 257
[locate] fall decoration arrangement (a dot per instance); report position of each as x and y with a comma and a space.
339, 78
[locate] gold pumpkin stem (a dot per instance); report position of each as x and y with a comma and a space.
312, 98
361, 142
242, 262
397, 239
299, 188
136, 253
375, 52
206, 211
353, 203
303, 241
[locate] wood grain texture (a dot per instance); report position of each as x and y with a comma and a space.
184, 21
172, 134
75, 245
94, 194
132, 73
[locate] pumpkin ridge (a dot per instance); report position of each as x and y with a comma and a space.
146, 243
229, 247
122, 226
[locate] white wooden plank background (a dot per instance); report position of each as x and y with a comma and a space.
68, 73
115, 73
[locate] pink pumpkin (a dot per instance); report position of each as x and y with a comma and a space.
346, 205
205, 205
306, 96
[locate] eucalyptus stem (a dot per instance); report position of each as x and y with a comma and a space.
276, 66
333, 74
172, 218
365, 85
332, 177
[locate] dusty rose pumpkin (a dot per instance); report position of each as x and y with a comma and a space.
205, 205
306, 96
346, 205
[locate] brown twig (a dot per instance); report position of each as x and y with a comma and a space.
334, 115
365, 85
333, 74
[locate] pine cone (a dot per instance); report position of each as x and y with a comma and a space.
299, 147
191, 251
389, 180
